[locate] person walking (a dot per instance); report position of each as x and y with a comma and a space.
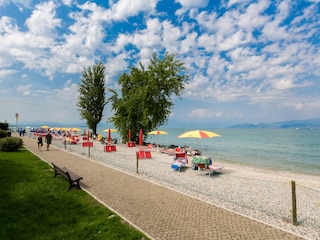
40, 143
48, 139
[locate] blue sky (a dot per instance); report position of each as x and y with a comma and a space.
248, 61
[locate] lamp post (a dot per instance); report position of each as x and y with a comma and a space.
17, 116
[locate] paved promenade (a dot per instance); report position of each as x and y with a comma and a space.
158, 212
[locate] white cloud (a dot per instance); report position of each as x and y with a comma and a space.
24, 89
42, 22
124, 9
190, 4
204, 113
67, 2
188, 45
6, 72
171, 36
24, 3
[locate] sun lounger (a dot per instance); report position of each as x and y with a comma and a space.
180, 160
211, 168
181, 157
169, 151
214, 169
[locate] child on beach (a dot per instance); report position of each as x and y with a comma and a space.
40, 143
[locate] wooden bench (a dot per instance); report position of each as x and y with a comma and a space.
74, 179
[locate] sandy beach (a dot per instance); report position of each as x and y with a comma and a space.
261, 194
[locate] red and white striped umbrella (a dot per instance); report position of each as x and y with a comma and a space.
158, 132
198, 134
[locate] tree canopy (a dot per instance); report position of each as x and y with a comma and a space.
146, 95
91, 100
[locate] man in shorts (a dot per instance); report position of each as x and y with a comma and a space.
48, 139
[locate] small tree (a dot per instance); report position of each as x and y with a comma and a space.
92, 99
145, 100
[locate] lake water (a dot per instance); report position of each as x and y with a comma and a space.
282, 149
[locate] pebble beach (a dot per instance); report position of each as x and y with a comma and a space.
264, 195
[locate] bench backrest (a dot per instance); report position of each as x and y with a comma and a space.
62, 171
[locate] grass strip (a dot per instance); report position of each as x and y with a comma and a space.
34, 205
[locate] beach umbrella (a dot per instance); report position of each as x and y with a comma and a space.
75, 130
198, 134
111, 130
140, 137
45, 127
157, 132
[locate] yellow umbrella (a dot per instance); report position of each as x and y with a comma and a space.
76, 129
157, 132
198, 134
45, 127
111, 130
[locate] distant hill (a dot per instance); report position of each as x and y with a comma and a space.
301, 124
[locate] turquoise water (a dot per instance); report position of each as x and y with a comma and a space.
283, 149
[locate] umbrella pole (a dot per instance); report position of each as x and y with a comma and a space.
137, 162
157, 144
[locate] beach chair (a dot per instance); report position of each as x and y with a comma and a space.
180, 160
211, 168
181, 157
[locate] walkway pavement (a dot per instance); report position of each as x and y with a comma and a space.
158, 212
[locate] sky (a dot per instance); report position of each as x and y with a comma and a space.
248, 61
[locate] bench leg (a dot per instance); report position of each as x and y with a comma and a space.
55, 173
78, 184
70, 186
75, 184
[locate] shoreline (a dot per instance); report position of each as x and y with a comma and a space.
238, 188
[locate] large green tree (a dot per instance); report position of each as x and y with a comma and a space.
146, 95
92, 97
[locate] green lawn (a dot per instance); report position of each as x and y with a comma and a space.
34, 205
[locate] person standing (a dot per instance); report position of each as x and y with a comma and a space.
40, 143
48, 139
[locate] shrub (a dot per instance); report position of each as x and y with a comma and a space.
4, 126
10, 144
3, 133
